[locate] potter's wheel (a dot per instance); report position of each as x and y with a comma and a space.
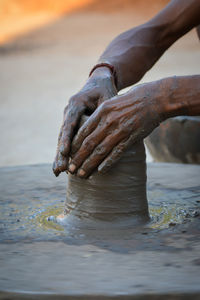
40, 259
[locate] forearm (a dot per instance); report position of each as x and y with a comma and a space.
125, 119
176, 96
135, 51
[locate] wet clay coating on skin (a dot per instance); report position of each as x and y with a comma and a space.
117, 197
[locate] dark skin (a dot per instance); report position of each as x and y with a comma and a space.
98, 88
123, 120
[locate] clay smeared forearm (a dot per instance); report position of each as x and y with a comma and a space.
132, 54
128, 118
179, 96
135, 51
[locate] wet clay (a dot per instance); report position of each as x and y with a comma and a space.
91, 264
117, 197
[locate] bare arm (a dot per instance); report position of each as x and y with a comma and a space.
135, 51
132, 54
123, 120
183, 96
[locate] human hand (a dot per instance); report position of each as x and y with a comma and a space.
112, 128
98, 88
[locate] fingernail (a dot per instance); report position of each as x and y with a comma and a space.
72, 167
56, 173
81, 173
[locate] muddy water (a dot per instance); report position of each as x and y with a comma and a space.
32, 220
43, 259
29, 206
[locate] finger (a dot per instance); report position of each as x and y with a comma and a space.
87, 148
116, 154
55, 167
70, 123
85, 130
99, 154
60, 164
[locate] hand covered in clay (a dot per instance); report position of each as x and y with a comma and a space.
98, 88
116, 124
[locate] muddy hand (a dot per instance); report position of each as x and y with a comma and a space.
114, 125
99, 87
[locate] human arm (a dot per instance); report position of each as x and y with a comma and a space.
123, 120
131, 54
99, 87
135, 51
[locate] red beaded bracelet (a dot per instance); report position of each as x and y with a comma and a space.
110, 67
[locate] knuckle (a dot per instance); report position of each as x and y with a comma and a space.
100, 150
75, 109
73, 124
104, 107
74, 98
88, 144
81, 134
126, 128
124, 131
75, 145
78, 159
67, 125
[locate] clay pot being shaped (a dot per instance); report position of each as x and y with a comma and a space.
116, 198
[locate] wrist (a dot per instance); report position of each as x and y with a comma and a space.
102, 72
170, 102
106, 69
156, 99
